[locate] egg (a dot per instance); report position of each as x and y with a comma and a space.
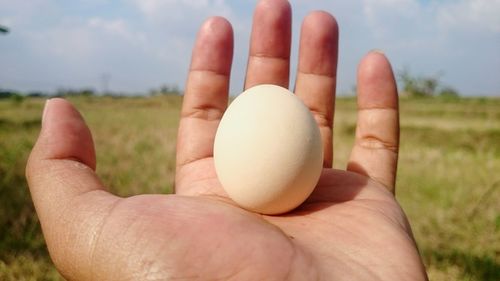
268, 152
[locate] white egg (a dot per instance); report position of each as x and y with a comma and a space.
268, 152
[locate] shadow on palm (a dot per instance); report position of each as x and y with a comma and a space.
345, 220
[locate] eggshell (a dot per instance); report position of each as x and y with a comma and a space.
268, 153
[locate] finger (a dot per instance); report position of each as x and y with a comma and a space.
68, 196
375, 152
269, 59
316, 75
206, 96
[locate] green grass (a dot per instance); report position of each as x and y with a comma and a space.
448, 178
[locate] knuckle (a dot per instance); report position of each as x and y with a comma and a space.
209, 113
373, 142
323, 119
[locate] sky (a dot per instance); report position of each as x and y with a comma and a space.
138, 45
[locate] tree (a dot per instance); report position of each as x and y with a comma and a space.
165, 90
449, 92
424, 86
86, 92
3, 29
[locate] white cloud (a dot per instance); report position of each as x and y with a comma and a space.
181, 10
439, 37
172, 26
373, 9
383, 15
114, 26
470, 15
144, 43
73, 43
77, 41
21, 13
7, 21
457, 38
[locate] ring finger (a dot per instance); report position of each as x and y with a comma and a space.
316, 75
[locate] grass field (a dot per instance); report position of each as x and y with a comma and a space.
448, 178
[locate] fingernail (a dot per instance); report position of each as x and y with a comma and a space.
378, 51
45, 110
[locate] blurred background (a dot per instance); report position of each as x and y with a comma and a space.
126, 62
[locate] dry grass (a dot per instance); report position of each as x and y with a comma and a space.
449, 180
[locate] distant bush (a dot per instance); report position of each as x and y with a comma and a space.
425, 86
37, 94
86, 92
165, 90
449, 93
15, 97
7, 94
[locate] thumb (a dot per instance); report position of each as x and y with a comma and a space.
64, 135
68, 196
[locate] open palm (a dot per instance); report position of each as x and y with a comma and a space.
350, 228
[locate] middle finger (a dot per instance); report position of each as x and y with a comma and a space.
269, 59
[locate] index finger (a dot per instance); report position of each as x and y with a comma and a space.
206, 96
375, 151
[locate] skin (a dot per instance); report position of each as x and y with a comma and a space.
351, 227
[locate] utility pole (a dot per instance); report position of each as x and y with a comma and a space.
105, 78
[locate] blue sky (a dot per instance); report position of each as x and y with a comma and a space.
142, 44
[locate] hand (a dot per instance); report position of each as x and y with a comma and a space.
351, 227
